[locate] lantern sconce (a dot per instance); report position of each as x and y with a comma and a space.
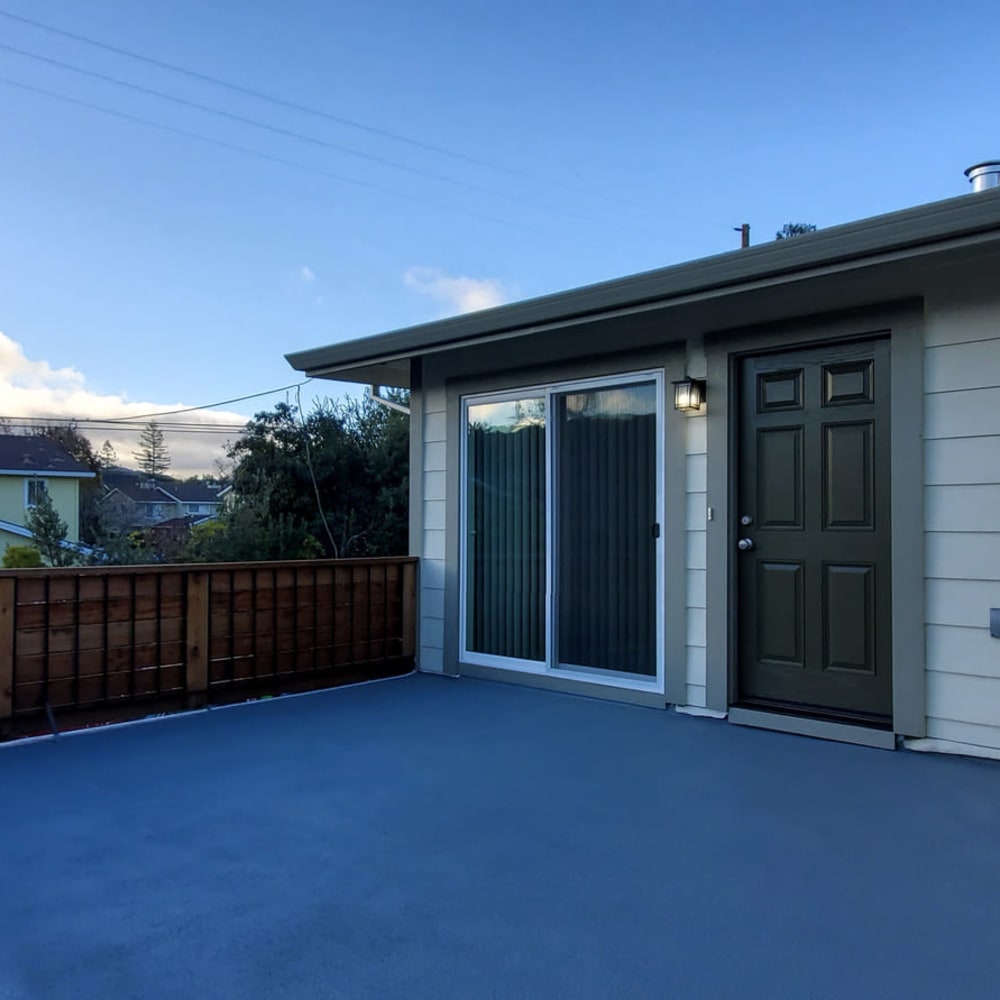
689, 394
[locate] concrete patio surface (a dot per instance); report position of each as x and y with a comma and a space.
426, 837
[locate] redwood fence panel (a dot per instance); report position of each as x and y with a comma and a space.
85, 645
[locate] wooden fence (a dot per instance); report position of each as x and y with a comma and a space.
80, 646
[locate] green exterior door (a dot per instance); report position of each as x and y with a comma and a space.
813, 532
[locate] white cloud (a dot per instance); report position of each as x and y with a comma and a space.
36, 389
458, 294
307, 274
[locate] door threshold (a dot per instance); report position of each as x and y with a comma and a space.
841, 732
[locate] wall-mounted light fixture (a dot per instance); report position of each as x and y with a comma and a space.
689, 394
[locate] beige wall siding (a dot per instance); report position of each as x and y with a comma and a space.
432, 548
696, 472
962, 511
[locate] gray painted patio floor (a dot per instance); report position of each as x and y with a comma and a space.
435, 838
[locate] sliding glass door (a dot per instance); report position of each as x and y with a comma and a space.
606, 526
561, 511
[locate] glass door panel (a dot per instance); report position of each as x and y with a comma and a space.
605, 516
505, 528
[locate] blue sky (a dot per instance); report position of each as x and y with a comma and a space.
612, 139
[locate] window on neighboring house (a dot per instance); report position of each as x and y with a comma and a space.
34, 490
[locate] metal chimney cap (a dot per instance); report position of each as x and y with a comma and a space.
984, 175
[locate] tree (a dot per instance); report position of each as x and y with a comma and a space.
49, 531
69, 438
248, 533
114, 542
107, 456
790, 229
334, 483
153, 456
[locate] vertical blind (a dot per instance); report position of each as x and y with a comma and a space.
606, 511
505, 520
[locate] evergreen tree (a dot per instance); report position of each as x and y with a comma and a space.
790, 229
153, 456
69, 438
48, 531
107, 456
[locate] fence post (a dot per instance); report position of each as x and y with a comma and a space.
197, 639
7, 626
409, 616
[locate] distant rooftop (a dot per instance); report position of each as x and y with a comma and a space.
139, 487
22, 454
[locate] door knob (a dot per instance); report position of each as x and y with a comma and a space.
744, 544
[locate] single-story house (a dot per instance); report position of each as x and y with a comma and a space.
764, 485
30, 466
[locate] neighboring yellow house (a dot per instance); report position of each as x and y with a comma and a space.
28, 466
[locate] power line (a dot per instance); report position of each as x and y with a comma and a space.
312, 474
292, 134
295, 106
210, 406
242, 119
258, 94
113, 426
294, 164
137, 421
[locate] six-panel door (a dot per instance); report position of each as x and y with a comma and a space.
813, 538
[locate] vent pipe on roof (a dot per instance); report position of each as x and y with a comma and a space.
984, 176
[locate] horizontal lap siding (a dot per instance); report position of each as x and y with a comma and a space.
696, 484
432, 547
962, 504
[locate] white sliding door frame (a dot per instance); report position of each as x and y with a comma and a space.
550, 666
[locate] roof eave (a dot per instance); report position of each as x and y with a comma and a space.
48, 473
910, 230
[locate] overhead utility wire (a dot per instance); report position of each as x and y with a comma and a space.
246, 150
258, 94
209, 406
124, 422
242, 119
295, 106
298, 136
30, 423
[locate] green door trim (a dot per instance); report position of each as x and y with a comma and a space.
903, 323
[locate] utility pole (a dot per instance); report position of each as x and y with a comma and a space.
744, 232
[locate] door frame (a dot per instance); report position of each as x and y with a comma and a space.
460, 377
550, 666
903, 323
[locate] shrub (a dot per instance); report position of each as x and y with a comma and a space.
21, 557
